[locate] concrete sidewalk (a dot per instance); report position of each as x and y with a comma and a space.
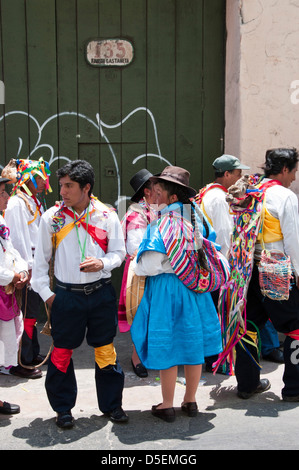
224, 421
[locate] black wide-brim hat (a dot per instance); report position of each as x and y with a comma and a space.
138, 181
178, 175
4, 180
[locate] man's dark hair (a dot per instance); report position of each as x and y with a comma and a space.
79, 171
220, 174
277, 159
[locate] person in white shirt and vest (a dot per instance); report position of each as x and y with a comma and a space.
280, 231
211, 198
88, 242
212, 201
30, 179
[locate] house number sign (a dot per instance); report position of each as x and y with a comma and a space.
109, 52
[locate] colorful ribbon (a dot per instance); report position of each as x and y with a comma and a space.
4, 232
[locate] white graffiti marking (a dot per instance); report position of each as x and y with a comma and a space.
99, 125
2, 92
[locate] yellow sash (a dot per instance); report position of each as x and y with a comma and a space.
64, 231
204, 211
59, 236
37, 211
203, 192
271, 230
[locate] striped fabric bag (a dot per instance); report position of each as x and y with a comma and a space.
178, 237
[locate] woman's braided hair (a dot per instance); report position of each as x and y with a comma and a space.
181, 193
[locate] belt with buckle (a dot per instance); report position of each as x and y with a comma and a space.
84, 288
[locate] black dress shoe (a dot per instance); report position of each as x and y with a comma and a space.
262, 387
275, 356
65, 420
38, 360
190, 408
9, 408
167, 414
139, 370
20, 371
118, 415
290, 398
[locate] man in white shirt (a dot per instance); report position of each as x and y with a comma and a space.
228, 169
280, 232
23, 215
212, 198
89, 244
212, 201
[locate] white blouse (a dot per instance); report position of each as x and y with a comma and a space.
23, 235
152, 263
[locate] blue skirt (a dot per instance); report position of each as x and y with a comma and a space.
174, 325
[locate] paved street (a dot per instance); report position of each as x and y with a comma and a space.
224, 422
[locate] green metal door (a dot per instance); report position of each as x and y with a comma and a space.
165, 107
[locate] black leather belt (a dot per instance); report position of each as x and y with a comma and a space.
84, 288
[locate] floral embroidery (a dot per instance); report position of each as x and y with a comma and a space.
58, 218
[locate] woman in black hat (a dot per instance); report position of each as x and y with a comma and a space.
134, 224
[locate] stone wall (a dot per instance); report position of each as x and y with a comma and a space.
262, 78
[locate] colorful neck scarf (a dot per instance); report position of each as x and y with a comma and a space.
202, 192
61, 230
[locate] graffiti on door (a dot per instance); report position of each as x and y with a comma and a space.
40, 145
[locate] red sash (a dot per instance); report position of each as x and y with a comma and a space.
96, 233
202, 192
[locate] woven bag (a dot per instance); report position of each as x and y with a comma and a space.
275, 273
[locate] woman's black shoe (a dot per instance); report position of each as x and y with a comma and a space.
190, 408
167, 414
139, 370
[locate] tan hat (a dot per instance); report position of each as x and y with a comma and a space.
178, 175
10, 171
